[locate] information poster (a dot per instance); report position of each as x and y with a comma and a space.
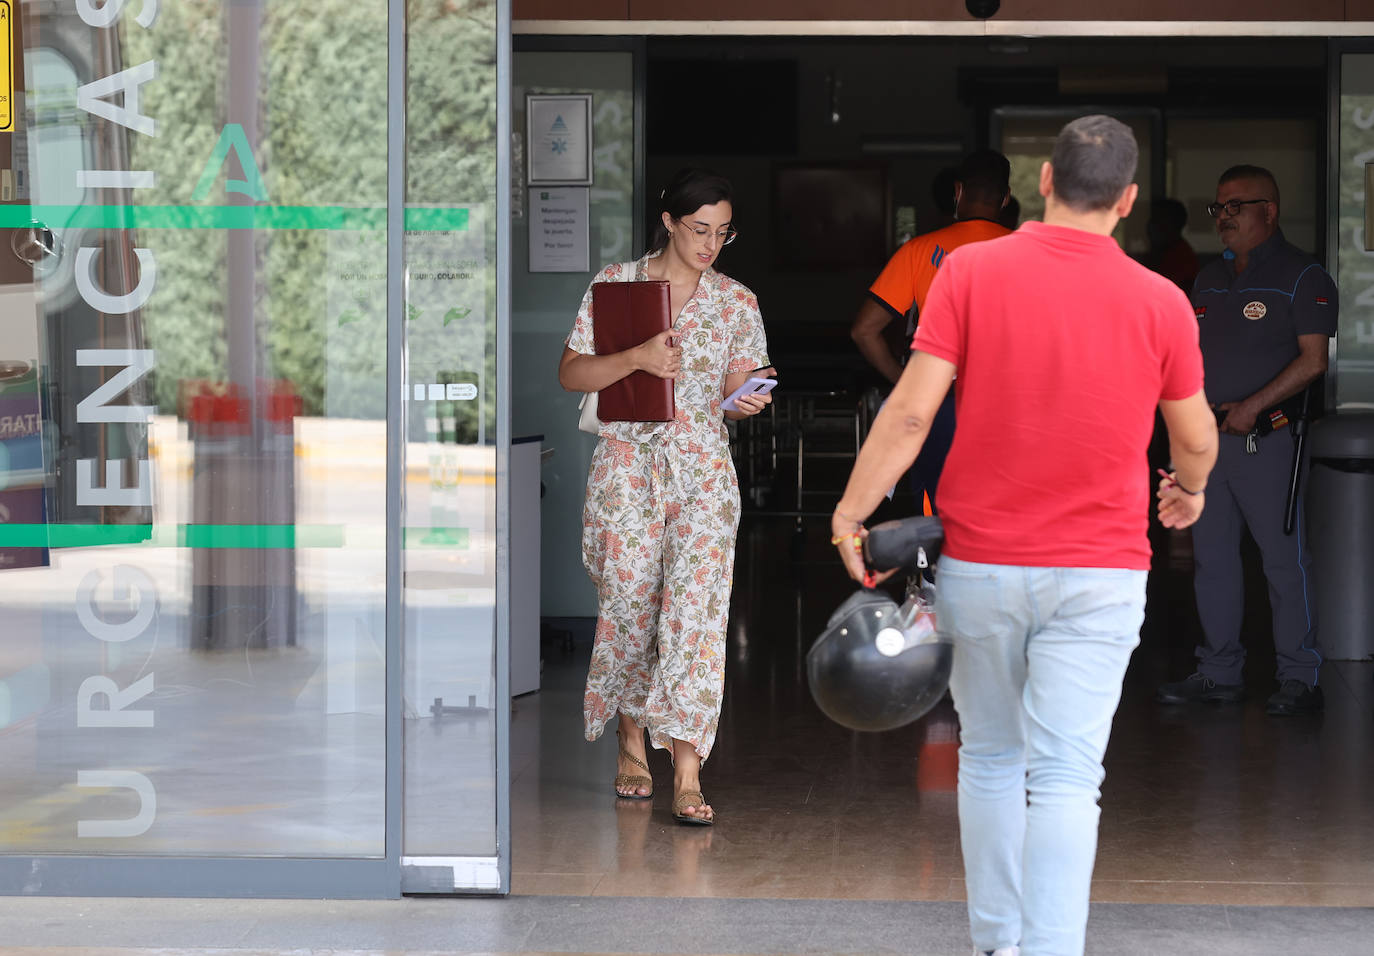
559, 230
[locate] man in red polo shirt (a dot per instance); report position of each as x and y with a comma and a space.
1063, 347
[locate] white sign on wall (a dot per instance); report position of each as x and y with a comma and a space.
559, 227
558, 135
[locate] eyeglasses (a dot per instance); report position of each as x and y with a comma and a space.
724, 237
1232, 208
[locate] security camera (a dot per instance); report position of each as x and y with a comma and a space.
982, 9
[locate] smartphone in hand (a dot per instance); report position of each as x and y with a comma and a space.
754, 386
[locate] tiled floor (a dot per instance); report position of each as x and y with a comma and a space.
1223, 831
581, 926
1201, 805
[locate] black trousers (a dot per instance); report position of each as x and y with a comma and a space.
1251, 491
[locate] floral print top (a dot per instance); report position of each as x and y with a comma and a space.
721, 332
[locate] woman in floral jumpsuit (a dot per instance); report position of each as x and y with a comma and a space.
662, 503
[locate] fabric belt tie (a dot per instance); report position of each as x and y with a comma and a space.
661, 463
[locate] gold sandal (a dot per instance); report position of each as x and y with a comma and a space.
691, 798
630, 781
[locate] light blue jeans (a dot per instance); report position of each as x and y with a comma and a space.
1039, 655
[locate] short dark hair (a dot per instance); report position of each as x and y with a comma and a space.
688, 190
986, 176
1094, 160
1246, 171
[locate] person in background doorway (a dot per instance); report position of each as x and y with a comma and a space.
980, 195
1170, 254
942, 196
663, 506
1172, 257
1011, 213
1266, 310
1063, 347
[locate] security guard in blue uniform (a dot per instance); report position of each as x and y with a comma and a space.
1265, 311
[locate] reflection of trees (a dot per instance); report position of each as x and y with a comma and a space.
323, 138
1355, 267
182, 319
451, 158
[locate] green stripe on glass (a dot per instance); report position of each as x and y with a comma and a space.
456, 539
258, 536
172, 536
227, 217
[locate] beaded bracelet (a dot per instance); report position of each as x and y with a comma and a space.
858, 541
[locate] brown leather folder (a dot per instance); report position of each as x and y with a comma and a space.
624, 314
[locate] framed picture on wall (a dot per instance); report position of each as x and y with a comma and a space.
558, 139
830, 216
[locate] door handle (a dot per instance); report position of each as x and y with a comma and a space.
35, 243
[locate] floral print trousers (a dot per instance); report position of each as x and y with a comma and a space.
658, 540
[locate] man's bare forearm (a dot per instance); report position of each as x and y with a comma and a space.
1293, 377
579, 372
1192, 439
1193, 464
897, 435
867, 333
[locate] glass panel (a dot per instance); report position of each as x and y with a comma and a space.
1028, 140
1354, 257
1201, 149
451, 695
193, 661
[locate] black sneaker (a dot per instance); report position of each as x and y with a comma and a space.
1295, 697
1200, 687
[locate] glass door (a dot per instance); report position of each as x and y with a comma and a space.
225, 268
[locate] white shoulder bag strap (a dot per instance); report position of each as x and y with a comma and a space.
586, 417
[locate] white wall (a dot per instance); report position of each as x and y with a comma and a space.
544, 304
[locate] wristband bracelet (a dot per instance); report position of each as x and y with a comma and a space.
1179, 486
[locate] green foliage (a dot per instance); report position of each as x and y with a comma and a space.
321, 140
1356, 331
